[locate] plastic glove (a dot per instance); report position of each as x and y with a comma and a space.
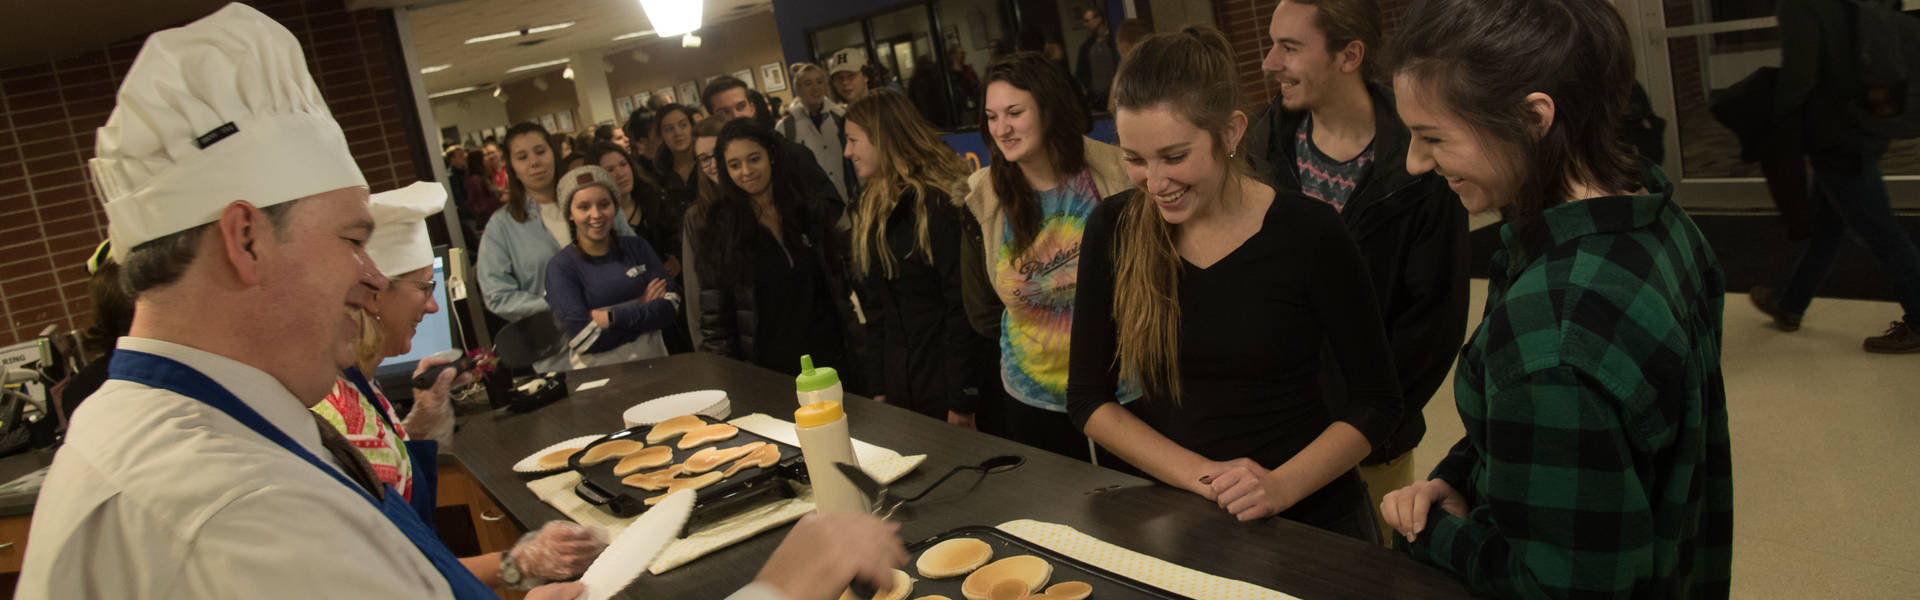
432, 416
558, 550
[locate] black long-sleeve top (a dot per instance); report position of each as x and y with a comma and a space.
1252, 327
917, 322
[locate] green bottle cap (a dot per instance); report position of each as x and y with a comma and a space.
812, 379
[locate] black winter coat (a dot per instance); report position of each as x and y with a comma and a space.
922, 345
1413, 233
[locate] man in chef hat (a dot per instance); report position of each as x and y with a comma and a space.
197, 470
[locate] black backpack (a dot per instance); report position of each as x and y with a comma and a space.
1887, 43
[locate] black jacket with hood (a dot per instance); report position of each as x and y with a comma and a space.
1413, 232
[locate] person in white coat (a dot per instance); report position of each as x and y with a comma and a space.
197, 471
817, 122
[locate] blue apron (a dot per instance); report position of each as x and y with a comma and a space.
424, 454
167, 374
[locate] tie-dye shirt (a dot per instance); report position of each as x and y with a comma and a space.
358, 418
1038, 288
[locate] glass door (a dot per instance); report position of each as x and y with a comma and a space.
1691, 49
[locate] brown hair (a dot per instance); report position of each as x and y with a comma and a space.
1575, 51
1192, 73
517, 191
1347, 21
706, 190
1063, 121
910, 158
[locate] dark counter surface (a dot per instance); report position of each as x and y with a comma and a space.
1134, 513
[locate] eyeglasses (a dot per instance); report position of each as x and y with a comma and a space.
425, 284
704, 159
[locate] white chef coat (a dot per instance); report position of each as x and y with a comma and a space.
157, 495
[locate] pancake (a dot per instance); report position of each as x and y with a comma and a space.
762, 457
902, 585
672, 427
686, 483
708, 459
1009, 589
646, 458
654, 481
557, 459
719, 432
1030, 570
953, 558
1070, 590
606, 451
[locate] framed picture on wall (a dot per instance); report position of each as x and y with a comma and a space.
500, 133
565, 118
640, 101
623, 106
667, 93
772, 77
549, 122
688, 92
747, 76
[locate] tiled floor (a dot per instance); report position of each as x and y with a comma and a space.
1826, 490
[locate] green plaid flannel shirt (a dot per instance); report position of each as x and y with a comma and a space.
1596, 459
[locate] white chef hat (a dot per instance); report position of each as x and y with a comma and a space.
219, 110
399, 244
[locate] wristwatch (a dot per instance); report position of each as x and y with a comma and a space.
510, 573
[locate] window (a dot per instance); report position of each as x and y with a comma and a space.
938, 52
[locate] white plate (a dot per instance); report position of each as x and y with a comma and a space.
711, 403
531, 464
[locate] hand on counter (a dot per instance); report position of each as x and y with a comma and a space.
824, 553
1238, 487
559, 550
962, 420
1405, 509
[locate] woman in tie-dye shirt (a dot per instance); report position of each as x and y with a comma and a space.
1032, 203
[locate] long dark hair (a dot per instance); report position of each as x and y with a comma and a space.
1062, 122
517, 191
1481, 70
646, 193
730, 220
663, 159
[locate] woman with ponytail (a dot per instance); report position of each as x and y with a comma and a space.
1218, 295
906, 254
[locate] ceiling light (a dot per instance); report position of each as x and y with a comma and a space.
538, 65
522, 31
567, 74
672, 17
628, 36
452, 92
690, 41
434, 69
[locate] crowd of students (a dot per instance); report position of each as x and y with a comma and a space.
1251, 308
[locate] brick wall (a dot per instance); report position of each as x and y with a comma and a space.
1245, 24
50, 216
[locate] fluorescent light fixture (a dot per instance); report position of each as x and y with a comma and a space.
520, 32
672, 17
454, 91
690, 41
628, 36
434, 69
538, 65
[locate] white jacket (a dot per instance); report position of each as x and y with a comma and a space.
826, 141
